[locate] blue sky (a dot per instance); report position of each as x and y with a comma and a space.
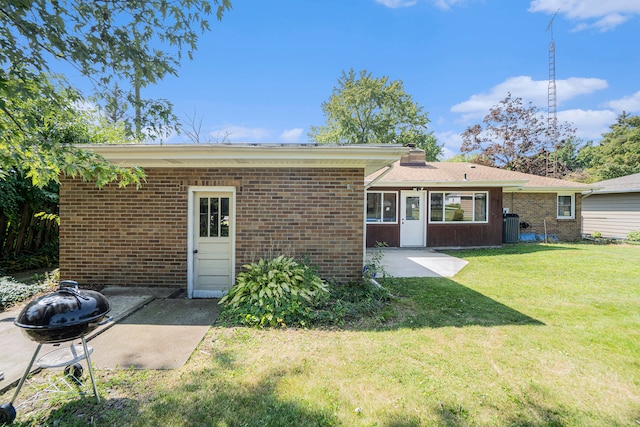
263, 72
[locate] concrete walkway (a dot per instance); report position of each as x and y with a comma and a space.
405, 262
150, 330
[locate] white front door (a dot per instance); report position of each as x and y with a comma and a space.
412, 218
213, 244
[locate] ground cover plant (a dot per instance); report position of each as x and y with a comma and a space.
526, 335
13, 291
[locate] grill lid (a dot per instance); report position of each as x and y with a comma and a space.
63, 308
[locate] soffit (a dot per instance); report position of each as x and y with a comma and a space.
368, 157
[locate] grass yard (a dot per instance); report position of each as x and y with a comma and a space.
527, 335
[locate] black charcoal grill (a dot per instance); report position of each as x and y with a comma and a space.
65, 315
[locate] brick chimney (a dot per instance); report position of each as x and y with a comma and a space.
416, 157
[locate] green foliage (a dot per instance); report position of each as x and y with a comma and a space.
134, 43
633, 236
275, 292
12, 292
47, 256
357, 305
373, 267
40, 140
596, 235
618, 154
367, 110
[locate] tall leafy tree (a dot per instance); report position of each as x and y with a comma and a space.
119, 46
367, 110
618, 154
515, 136
40, 140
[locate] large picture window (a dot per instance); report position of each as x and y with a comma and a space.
458, 206
382, 206
566, 206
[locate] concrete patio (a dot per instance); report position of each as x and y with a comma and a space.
412, 262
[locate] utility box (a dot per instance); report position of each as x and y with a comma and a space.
510, 228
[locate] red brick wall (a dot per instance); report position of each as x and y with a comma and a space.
536, 208
138, 237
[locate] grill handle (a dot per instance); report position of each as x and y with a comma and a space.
71, 287
68, 284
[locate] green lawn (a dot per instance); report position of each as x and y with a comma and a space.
528, 335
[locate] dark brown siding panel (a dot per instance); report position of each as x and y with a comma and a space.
389, 234
447, 235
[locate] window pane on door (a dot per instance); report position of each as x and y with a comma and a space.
204, 217
412, 210
224, 217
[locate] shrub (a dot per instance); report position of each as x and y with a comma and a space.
596, 235
634, 236
276, 292
12, 292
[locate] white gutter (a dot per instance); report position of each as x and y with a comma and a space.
379, 177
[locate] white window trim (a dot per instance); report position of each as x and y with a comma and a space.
573, 206
381, 222
486, 221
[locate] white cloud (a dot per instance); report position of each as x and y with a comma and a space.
589, 124
452, 142
630, 104
534, 91
394, 4
603, 15
291, 135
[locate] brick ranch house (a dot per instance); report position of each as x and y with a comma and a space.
206, 210
414, 203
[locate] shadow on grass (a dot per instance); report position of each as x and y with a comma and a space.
509, 249
441, 302
205, 397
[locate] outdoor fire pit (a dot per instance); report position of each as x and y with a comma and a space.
64, 315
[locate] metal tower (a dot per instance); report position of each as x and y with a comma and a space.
552, 104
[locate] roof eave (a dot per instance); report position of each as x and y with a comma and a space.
444, 184
368, 157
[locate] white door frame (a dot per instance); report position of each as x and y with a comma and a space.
191, 227
422, 194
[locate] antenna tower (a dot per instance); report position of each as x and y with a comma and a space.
552, 104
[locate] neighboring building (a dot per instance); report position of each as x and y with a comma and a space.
452, 205
614, 208
206, 210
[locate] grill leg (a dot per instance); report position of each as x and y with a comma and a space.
93, 380
26, 373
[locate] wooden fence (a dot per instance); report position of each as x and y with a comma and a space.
27, 233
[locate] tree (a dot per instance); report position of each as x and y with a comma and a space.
515, 137
40, 141
119, 46
618, 154
367, 110
135, 43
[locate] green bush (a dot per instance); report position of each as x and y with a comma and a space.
596, 235
276, 292
12, 292
634, 236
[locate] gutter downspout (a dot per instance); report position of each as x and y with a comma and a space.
379, 177
366, 187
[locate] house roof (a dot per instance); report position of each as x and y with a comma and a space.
462, 174
369, 157
624, 184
